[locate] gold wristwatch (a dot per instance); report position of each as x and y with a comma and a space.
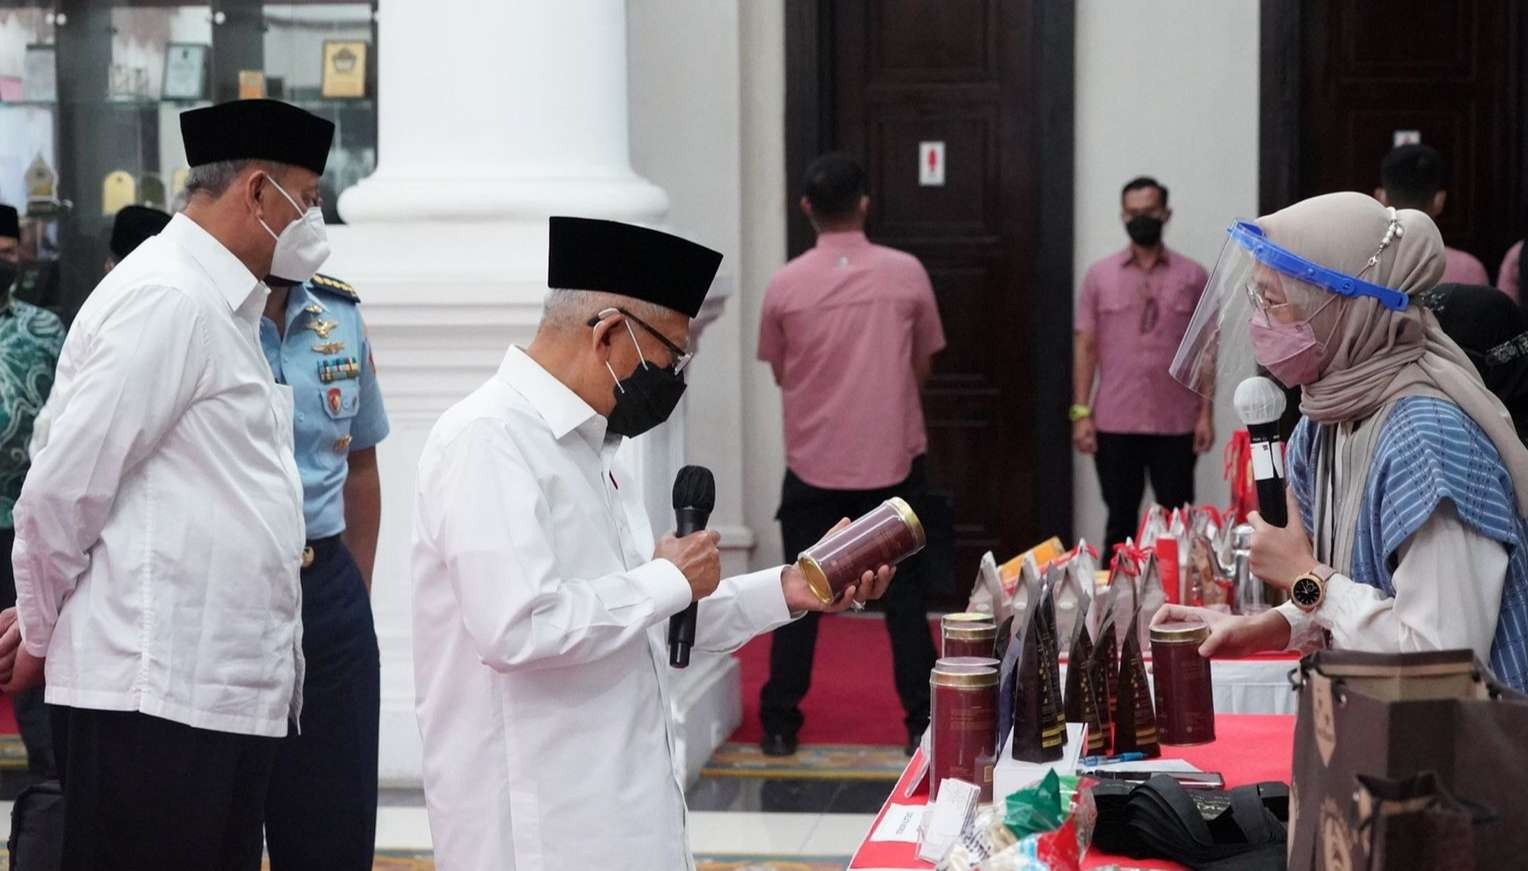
1078, 412
1308, 591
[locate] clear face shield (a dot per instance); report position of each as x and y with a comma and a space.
1260, 306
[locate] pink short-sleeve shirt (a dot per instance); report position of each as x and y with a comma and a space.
1462, 267
1506, 278
1137, 318
841, 327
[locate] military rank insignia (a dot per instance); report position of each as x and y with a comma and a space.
338, 369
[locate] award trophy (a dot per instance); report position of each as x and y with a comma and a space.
42, 189
118, 189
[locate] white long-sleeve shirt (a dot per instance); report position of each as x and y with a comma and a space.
540, 661
159, 534
1426, 613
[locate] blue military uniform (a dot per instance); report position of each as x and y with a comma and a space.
325, 358
322, 805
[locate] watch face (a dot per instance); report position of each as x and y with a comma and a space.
1306, 593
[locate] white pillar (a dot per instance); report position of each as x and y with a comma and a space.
502, 111
492, 116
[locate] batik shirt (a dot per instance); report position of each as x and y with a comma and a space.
30, 341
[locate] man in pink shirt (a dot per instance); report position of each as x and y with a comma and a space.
1412, 177
849, 329
1134, 308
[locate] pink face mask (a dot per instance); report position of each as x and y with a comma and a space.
1289, 351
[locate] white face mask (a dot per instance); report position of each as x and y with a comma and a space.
302, 247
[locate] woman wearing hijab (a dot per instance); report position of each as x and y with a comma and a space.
1407, 471
1492, 330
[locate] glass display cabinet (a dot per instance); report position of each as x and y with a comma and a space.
90, 97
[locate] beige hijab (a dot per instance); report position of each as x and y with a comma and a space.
1374, 356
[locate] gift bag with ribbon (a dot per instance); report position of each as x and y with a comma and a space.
1370, 716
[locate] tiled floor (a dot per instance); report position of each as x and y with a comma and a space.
746, 814
735, 822
742, 817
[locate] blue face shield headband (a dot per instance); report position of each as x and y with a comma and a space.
1252, 239
1258, 283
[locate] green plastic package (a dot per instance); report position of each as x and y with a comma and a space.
1035, 809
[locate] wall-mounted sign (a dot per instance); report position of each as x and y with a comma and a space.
931, 164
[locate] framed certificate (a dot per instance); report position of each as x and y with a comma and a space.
121, 84
185, 71
39, 75
344, 69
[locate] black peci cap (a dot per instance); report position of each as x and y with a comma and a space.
132, 226
256, 130
10, 222
627, 260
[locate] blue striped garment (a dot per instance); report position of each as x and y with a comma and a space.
1430, 450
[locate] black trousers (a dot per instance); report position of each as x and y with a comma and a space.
145, 793
32, 715
321, 811
805, 514
1123, 461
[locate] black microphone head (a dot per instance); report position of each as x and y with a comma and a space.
695, 487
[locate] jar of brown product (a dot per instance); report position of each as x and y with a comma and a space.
967, 634
963, 716
1185, 690
887, 535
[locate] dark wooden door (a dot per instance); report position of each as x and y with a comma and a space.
992, 81
1340, 77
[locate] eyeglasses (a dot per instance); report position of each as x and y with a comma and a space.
681, 357
1261, 304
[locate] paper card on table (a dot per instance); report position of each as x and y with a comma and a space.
948, 817
899, 824
921, 760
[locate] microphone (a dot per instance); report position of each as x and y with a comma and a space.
694, 497
1260, 404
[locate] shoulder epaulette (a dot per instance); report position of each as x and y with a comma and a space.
335, 286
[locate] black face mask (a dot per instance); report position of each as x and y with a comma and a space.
7, 277
1144, 230
644, 399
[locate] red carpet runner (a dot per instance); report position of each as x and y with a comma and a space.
7, 717
853, 699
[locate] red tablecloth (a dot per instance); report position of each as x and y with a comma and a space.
1249, 748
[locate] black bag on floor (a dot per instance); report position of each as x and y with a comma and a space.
37, 828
